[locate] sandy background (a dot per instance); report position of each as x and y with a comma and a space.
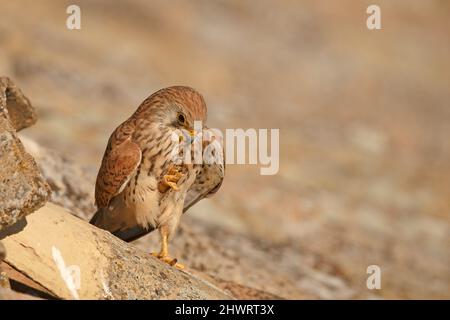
364, 116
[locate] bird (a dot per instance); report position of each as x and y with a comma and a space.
140, 186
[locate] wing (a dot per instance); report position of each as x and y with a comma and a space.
120, 161
210, 176
207, 182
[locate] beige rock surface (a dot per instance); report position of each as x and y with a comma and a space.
50, 245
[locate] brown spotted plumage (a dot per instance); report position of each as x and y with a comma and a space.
139, 187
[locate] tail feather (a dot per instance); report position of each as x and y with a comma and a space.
103, 220
128, 234
131, 234
95, 218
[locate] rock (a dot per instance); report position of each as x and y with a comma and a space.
2, 251
4, 282
75, 260
8, 294
239, 291
20, 111
22, 187
72, 185
241, 266
246, 267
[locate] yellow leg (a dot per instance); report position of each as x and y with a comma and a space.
164, 244
163, 254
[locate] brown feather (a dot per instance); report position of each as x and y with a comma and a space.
122, 157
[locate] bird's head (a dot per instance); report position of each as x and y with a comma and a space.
175, 107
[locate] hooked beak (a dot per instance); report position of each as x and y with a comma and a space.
189, 137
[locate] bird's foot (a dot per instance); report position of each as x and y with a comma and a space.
169, 180
169, 260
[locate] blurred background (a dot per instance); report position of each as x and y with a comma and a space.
364, 121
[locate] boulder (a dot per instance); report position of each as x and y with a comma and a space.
20, 111
75, 260
22, 187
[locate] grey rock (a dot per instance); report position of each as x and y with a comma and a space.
20, 111
22, 187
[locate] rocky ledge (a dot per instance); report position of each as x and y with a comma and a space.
50, 251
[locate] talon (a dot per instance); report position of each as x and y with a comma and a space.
173, 262
179, 266
169, 180
174, 170
173, 185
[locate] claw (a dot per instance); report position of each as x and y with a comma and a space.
171, 184
173, 262
169, 180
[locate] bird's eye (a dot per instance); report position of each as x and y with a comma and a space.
181, 119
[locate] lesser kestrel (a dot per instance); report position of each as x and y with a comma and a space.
139, 188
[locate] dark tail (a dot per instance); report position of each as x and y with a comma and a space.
132, 234
95, 217
128, 235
